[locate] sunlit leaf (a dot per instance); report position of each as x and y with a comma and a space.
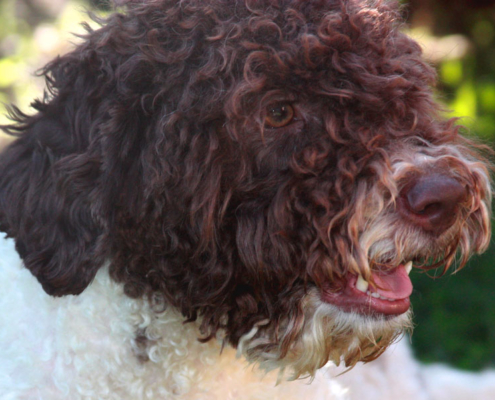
451, 72
465, 103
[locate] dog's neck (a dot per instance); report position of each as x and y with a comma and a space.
170, 357
174, 358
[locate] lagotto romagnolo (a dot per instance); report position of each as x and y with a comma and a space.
260, 175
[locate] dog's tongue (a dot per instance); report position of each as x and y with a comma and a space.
394, 284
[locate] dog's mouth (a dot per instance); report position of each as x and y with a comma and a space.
388, 296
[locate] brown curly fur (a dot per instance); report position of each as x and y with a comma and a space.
150, 150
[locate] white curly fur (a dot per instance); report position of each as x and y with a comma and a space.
84, 347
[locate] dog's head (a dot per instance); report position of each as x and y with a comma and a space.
272, 168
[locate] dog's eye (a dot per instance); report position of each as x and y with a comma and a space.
279, 115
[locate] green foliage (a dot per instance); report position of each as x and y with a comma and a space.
455, 315
27, 46
452, 72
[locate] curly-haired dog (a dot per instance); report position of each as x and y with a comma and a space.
266, 171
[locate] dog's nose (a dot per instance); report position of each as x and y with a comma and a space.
431, 202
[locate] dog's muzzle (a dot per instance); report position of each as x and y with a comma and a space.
429, 204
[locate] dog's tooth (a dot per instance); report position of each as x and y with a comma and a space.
375, 294
361, 284
408, 267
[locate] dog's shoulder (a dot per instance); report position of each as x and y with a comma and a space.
27, 320
49, 345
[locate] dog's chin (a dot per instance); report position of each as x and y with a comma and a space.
330, 333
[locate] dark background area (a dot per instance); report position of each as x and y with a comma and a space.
454, 314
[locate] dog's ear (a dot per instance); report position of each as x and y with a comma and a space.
49, 200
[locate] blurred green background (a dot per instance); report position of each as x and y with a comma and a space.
454, 315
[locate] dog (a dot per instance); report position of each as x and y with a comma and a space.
215, 196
